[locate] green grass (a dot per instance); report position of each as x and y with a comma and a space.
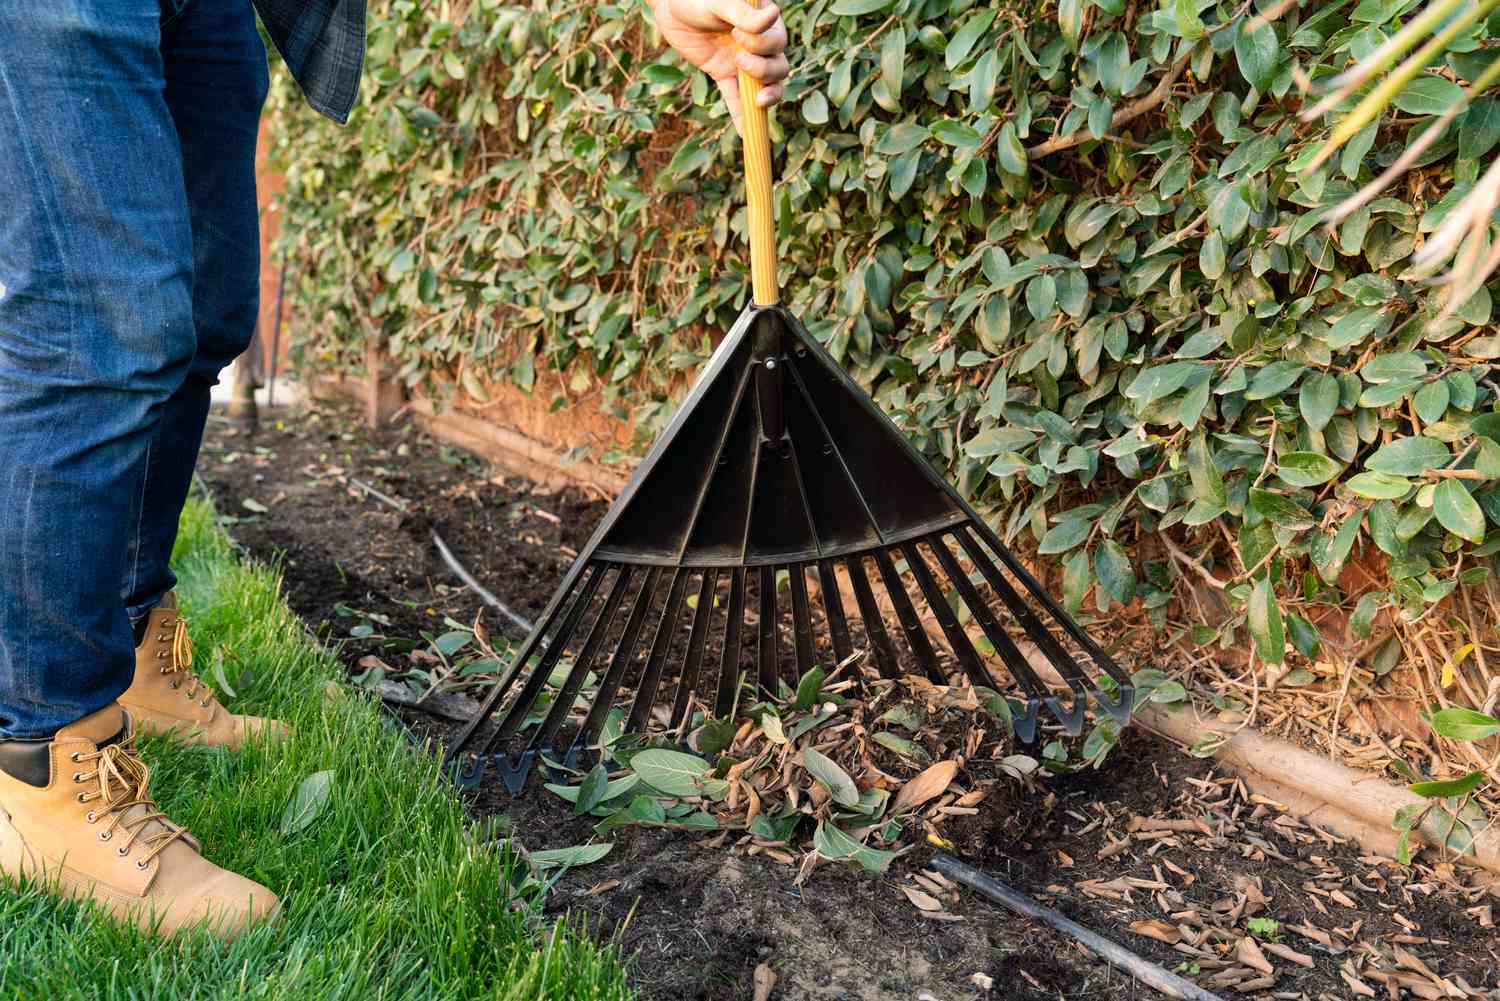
387, 894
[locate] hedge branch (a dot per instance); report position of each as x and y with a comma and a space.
1124, 116
1158, 95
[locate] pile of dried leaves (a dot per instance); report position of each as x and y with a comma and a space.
819, 776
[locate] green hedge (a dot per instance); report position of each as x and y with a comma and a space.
1069, 247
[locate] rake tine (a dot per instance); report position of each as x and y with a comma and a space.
539, 674
605, 697
523, 703
1075, 677
661, 645
801, 621
833, 607
880, 640
517, 663
1024, 725
1015, 662
1060, 615
729, 657
767, 651
688, 682
963, 649
563, 704
916, 636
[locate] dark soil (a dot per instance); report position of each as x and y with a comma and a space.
696, 921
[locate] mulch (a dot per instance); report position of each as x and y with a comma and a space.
1157, 850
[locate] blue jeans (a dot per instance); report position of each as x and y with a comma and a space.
129, 261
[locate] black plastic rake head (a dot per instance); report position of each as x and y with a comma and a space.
779, 496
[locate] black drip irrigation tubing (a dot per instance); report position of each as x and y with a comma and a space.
1144, 970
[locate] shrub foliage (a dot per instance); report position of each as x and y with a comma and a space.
1072, 248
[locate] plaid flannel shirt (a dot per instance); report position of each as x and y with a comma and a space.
323, 44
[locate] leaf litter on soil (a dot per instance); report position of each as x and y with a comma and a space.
1148, 847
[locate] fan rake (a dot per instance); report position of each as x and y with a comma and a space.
778, 497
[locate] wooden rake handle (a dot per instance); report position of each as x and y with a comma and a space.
758, 196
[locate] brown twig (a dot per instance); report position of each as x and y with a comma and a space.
1124, 116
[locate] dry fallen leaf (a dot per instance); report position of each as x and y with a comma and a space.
1248, 952
1159, 930
923, 901
765, 980
932, 782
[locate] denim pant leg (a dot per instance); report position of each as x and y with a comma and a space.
96, 333
216, 80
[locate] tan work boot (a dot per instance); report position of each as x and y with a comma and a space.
76, 815
166, 696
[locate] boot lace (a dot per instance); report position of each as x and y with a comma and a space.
123, 779
179, 658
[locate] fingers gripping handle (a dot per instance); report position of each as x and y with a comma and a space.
762, 212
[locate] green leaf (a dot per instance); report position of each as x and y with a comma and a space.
809, 688
570, 857
1379, 486
671, 772
591, 791
1161, 380
1428, 94
1307, 469
1409, 457
1304, 635
1211, 255
1397, 365
308, 803
1065, 535
832, 843
854, 8
1457, 511
1265, 622
1041, 296
964, 38
1208, 482
1009, 151
1281, 510
1318, 399
1445, 788
1116, 575
902, 746
893, 62
1431, 401
1274, 378
612, 790
826, 771
903, 137
1329, 551
1257, 53
1459, 723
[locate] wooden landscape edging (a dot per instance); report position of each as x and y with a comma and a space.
511, 450
1311, 787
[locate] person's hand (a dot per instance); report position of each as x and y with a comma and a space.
723, 36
